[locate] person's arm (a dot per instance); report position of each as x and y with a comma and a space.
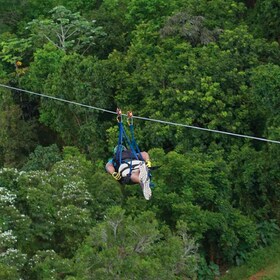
146, 158
111, 170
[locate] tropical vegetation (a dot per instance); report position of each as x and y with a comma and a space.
205, 64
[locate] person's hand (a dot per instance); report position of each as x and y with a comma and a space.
117, 176
148, 163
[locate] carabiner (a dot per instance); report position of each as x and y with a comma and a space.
129, 118
119, 115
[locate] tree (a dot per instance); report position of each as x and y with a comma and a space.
8, 272
255, 182
10, 256
265, 82
266, 19
38, 201
46, 61
143, 11
43, 158
10, 14
48, 264
224, 14
191, 28
202, 86
196, 189
132, 247
78, 79
111, 16
13, 227
14, 50
66, 30
17, 136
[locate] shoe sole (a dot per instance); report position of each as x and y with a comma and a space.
145, 181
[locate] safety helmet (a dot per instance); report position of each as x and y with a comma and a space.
122, 147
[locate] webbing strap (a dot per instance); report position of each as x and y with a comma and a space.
134, 144
135, 151
120, 142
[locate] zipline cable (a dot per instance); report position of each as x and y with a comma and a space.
141, 118
57, 99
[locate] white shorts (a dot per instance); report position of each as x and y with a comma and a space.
132, 165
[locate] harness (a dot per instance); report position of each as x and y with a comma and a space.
126, 157
133, 152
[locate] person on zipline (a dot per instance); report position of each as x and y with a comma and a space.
131, 169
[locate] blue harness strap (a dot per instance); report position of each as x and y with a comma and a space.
134, 144
120, 143
123, 138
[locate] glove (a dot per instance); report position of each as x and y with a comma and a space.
148, 163
117, 176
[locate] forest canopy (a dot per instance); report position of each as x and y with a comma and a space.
208, 64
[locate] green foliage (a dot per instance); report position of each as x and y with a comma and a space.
219, 13
10, 14
254, 178
201, 63
110, 15
105, 193
191, 28
80, 5
265, 81
48, 264
265, 19
37, 8
38, 203
72, 225
143, 11
262, 259
209, 87
13, 228
8, 272
17, 137
43, 158
207, 271
10, 256
126, 247
65, 30
46, 61
268, 231
197, 191
14, 49
84, 81
57, 202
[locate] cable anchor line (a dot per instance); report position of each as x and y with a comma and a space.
141, 118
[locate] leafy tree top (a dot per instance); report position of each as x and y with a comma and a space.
66, 30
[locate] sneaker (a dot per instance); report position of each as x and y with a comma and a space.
147, 192
145, 181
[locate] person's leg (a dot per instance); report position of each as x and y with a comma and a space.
140, 176
135, 172
132, 167
135, 176
145, 180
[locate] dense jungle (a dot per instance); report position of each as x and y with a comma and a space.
212, 64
